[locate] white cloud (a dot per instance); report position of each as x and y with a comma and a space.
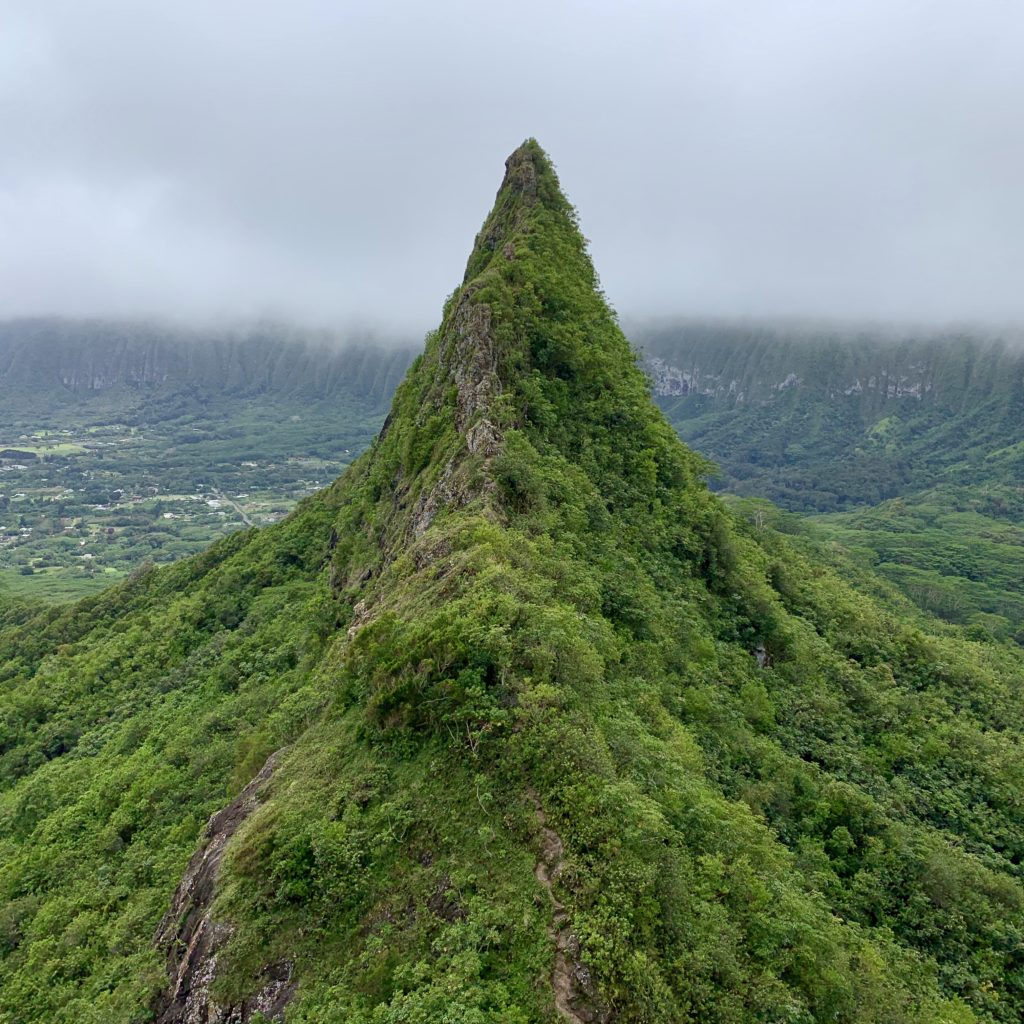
328, 160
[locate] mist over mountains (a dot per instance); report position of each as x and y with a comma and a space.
394, 637
68, 361
733, 360
324, 161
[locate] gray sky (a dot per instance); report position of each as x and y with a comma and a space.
328, 160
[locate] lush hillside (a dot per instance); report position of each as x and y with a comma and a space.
958, 552
822, 419
926, 429
514, 722
122, 443
133, 442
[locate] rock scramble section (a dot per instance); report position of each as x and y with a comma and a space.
561, 738
191, 938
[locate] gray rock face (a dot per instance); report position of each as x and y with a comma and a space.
472, 353
192, 939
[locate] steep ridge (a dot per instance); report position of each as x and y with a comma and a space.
554, 736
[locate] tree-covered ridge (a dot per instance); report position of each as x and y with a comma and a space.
828, 418
557, 735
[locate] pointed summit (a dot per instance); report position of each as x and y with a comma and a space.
529, 181
527, 347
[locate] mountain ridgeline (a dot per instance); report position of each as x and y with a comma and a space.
60, 367
514, 722
824, 419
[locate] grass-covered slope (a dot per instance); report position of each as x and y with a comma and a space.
554, 735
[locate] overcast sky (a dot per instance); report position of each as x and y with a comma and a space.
329, 160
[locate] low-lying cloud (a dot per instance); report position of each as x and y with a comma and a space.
331, 161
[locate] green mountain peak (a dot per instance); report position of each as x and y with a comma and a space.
514, 722
530, 183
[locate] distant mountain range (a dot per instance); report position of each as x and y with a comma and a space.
56, 365
910, 443
815, 419
821, 419
915, 437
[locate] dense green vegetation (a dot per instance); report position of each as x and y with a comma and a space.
827, 419
925, 429
958, 552
528, 679
122, 443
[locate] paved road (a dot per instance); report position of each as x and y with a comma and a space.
238, 508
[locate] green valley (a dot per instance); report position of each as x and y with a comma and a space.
124, 443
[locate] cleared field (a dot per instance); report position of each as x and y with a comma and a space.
57, 448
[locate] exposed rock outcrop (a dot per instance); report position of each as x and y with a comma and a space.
472, 354
192, 939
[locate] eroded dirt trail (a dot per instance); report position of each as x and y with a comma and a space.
576, 997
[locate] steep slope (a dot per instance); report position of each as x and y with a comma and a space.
514, 722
